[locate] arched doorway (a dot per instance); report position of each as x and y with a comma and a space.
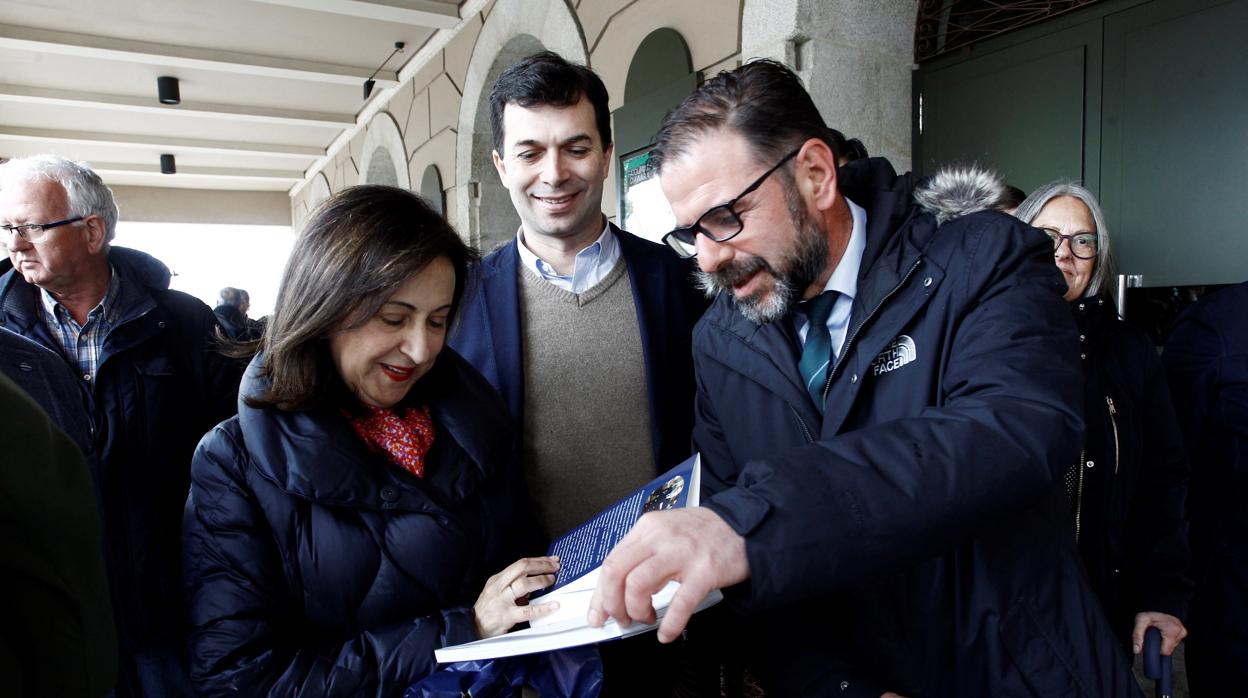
495, 219
431, 189
385, 159
660, 75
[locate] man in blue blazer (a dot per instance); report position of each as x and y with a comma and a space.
584, 329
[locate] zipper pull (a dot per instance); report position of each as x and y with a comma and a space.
1110, 401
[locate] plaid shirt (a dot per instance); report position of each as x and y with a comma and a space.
82, 344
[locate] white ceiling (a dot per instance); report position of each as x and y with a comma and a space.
267, 85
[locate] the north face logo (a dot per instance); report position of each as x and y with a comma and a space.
898, 353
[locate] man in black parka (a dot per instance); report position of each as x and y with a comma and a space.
881, 512
154, 384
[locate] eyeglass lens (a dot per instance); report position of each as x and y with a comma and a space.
29, 233
1082, 246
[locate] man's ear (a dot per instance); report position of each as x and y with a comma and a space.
815, 172
500, 166
96, 233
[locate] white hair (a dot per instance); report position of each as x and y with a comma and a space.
87, 193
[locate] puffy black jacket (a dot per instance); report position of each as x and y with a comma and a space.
1131, 479
913, 537
159, 387
316, 567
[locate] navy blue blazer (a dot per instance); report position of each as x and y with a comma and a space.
487, 334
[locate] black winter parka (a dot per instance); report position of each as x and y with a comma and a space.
315, 567
160, 386
913, 537
1132, 476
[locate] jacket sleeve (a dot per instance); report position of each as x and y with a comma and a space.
1156, 530
247, 632
1004, 418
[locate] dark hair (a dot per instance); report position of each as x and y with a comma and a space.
763, 101
360, 245
547, 79
1011, 198
854, 150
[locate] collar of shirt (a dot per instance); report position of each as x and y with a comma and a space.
592, 263
844, 280
82, 345
106, 308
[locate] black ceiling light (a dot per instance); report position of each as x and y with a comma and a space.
167, 90
167, 165
370, 83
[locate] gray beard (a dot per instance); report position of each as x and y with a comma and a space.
799, 269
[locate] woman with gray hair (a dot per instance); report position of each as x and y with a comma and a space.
1128, 488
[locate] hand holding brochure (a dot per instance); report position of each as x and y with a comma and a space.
581, 553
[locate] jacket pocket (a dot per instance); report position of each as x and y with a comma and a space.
156, 377
1046, 668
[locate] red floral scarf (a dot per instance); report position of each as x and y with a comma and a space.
404, 439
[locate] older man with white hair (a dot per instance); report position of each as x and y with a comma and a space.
145, 357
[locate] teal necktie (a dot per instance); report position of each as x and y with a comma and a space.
817, 351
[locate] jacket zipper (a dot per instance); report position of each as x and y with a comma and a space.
810, 438
840, 357
1079, 493
1113, 420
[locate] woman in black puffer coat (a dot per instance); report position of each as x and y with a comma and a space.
346, 523
1128, 488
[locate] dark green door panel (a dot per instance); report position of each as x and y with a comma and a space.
1175, 141
1021, 110
1145, 101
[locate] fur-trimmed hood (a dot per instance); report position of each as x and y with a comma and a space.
892, 201
958, 191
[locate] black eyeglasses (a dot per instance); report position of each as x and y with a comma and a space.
1082, 245
35, 232
720, 223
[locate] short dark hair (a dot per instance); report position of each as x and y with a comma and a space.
763, 101
547, 79
1012, 197
854, 150
360, 245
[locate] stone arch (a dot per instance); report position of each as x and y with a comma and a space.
313, 194
514, 29
855, 59
384, 160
